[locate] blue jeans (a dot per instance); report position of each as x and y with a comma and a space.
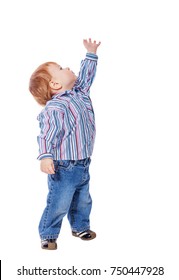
68, 194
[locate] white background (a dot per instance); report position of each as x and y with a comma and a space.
134, 169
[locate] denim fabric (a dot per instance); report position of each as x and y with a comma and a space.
68, 194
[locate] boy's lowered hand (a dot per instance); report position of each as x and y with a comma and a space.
90, 46
47, 166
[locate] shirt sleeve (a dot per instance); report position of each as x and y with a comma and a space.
50, 122
87, 73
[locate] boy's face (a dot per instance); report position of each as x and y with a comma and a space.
61, 77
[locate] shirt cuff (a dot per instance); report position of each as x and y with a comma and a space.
92, 56
47, 155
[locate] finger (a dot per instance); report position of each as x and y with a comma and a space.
50, 171
85, 42
89, 40
53, 167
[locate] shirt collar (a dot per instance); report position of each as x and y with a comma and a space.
57, 95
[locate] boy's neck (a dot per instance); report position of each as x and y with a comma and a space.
64, 88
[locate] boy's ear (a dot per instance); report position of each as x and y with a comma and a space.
54, 85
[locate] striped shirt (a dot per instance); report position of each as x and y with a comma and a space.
67, 123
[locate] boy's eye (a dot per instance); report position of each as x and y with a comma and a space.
60, 67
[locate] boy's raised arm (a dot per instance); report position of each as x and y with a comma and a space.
88, 67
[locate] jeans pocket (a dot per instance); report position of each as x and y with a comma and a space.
64, 164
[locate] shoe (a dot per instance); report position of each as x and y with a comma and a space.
49, 244
85, 235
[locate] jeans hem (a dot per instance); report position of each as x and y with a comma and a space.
83, 229
54, 236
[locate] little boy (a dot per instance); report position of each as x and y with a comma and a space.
67, 134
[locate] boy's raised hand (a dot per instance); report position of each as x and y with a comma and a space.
90, 46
